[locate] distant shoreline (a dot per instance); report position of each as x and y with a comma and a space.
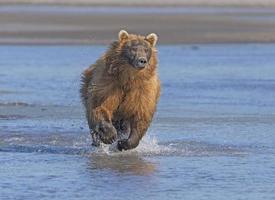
74, 25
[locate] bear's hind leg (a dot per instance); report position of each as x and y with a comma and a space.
123, 128
138, 129
126, 128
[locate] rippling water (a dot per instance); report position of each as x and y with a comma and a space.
212, 136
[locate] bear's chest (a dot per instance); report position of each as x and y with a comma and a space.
136, 102
132, 102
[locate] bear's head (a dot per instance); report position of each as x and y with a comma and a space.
137, 50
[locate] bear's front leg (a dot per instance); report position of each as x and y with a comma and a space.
101, 126
138, 129
106, 132
101, 104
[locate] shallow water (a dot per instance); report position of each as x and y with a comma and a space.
212, 136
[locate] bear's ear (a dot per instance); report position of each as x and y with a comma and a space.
152, 38
123, 35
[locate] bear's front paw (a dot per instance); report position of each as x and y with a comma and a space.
107, 132
122, 145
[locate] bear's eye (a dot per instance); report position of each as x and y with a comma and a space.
134, 48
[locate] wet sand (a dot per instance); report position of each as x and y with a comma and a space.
21, 24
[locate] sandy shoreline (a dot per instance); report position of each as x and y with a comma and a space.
99, 25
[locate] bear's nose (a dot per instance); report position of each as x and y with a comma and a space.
142, 61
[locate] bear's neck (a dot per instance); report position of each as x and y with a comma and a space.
129, 75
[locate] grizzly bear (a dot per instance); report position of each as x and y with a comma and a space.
121, 90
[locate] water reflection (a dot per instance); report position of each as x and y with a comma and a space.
122, 163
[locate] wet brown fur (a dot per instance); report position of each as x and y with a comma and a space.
114, 90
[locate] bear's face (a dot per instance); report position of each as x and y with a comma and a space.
137, 50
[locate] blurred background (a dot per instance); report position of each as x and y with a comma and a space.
98, 21
212, 136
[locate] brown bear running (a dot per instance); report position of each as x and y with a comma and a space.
121, 90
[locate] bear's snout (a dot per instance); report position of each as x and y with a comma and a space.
142, 61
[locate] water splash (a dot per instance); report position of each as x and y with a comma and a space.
150, 146
81, 145
147, 147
